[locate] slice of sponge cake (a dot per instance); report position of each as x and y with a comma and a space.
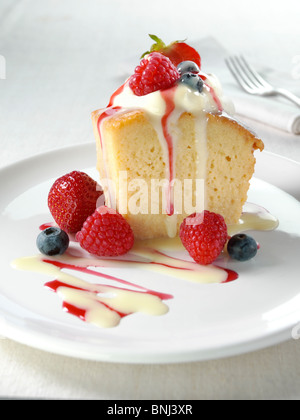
134, 162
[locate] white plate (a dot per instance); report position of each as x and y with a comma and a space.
205, 321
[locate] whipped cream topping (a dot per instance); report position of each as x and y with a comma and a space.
211, 99
153, 103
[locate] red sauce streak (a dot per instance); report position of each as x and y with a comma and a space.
168, 96
81, 313
86, 270
116, 93
46, 225
109, 112
231, 275
72, 309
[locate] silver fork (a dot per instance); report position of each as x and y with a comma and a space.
252, 82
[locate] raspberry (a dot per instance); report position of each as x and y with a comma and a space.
155, 72
72, 198
204, 237
106, 233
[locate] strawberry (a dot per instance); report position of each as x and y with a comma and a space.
177, 51
72, 198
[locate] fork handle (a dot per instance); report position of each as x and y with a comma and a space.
289, 95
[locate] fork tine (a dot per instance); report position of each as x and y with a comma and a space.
252, 82
246, 75
241, 65
235, 68
253, 74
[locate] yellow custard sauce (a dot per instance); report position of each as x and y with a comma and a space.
106, 301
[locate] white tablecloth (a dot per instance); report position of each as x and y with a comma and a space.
61, 60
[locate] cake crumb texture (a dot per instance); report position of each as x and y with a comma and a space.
131, 143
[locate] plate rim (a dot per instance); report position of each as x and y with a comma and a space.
58, 346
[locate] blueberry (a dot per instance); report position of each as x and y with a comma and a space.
192, 80
52, 241
242, 247
187, 67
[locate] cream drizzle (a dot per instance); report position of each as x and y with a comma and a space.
254, 217
105, 304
